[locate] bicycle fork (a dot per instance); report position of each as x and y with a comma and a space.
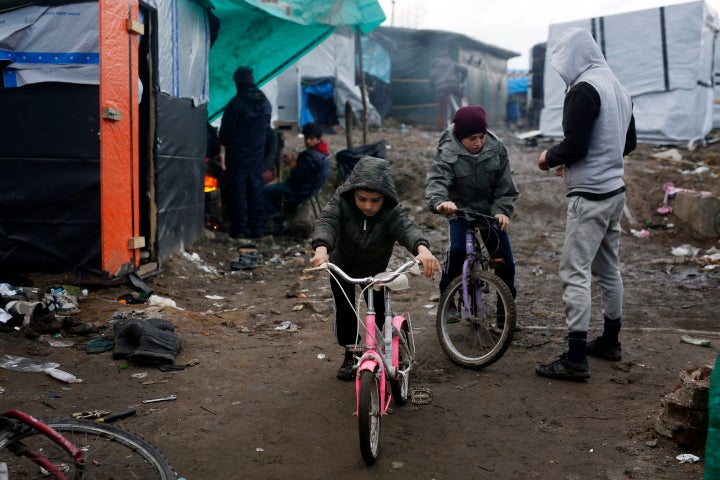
383, 367
468, 267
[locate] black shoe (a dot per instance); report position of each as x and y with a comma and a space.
564, 369
601, 349
347, 369
452, 315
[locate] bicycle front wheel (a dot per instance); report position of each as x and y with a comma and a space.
369, 417
477, 334
109, 452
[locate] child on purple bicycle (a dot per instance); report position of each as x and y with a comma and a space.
471, 170
357, 231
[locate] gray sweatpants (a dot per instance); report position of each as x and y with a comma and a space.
590, 251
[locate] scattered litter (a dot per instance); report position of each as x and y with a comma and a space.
100, 344
62, 375
195, 258
429, 305
671, 154
537, 271
700, 342
2, 390
670, 191
644, 233
697, 171
397, 464
139, 375
214, 297
287, 325
56, 342
685, 251
297, 308
4, 316
259, 449
156, 300
22, 364
322, 356
7, 289
687, 458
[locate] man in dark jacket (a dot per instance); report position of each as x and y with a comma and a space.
598, 130
357, 231
307, 175
242, 135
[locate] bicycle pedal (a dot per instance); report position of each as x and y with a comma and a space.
420, 395
496, 263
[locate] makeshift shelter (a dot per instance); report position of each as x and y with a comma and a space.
669, 72
105, 106
518, 84
536, 88
411, 51
317, 86
74, 96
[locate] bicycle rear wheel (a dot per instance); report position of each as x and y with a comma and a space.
480, 338
110, 453
369, 417
400, 386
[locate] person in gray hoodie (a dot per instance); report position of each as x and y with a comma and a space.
598, 131
357, 231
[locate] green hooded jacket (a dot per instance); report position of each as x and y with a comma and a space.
483, 183
359, 244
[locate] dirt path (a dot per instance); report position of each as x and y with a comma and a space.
260, 402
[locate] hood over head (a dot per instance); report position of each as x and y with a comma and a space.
372, 174
574, 53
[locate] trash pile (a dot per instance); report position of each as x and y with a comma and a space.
34, 312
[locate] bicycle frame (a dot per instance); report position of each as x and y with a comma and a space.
28, 421
472, 263
381, 361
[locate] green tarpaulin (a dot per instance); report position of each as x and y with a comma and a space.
269, 37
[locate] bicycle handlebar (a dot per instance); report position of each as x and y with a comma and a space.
475, 216
384, 277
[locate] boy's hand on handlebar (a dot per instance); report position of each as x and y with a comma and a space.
447, 208
321, 256
503, 221
429, 262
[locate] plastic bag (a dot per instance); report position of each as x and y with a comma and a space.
22, 364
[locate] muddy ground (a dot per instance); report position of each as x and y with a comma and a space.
259, 401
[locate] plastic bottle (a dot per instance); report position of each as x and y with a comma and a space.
61, 375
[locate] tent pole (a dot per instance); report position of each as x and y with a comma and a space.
362, 84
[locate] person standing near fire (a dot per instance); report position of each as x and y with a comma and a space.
242, 137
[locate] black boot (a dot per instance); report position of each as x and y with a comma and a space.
347, 370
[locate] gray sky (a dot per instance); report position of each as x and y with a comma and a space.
514, 25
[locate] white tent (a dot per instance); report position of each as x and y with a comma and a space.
663, 56
333, 59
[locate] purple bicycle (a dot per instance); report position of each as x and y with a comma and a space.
476, 315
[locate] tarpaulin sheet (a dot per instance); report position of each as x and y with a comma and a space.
270, 37
663, 57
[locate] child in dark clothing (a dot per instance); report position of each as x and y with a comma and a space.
357, 231
307, 175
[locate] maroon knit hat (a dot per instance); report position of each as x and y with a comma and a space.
468, 121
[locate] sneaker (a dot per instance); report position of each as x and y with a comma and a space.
61, 302
453, 316
347, 369
564, 369
601, 349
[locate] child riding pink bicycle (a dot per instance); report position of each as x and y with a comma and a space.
357, 231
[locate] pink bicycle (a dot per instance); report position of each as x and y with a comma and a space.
383, 369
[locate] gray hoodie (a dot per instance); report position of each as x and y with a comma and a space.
577, 58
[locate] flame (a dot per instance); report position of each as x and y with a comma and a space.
211, 183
